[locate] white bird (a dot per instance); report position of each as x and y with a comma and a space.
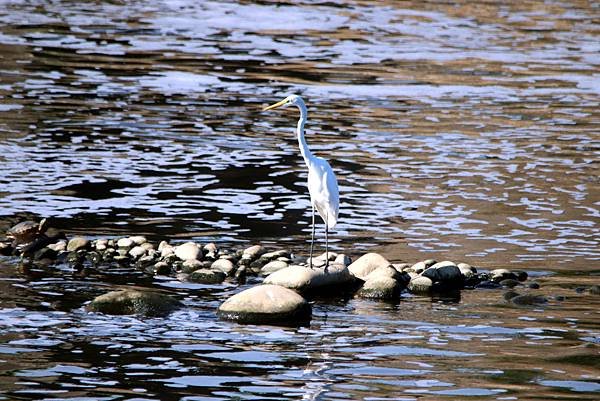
322, 184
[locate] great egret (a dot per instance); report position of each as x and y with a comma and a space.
322, 184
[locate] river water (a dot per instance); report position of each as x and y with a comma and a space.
465, 131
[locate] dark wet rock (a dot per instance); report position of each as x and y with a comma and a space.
367, 263
161, 268
266, 304
272, 267
76, 259
207, 276
187, 251
488, 285
498, 275
45, 253
510, 295
595, 290
224, 265
94, 257
509, 283
560, 298
420, 285
134, 302
533, 285
528, 299
6, 249
122, 260
109, 254
303, 279
446, 276
521, 275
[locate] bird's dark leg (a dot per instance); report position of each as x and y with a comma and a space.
326, 245
312, 241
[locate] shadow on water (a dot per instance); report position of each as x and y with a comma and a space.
457, 131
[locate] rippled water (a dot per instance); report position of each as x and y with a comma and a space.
464, 131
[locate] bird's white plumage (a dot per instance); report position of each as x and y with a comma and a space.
322, 184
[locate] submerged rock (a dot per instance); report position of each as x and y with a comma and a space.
364, 265
134, 302
305, 279
266, 304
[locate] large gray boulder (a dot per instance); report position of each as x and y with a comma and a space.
306, 280
266, 304
366, 264
134, 302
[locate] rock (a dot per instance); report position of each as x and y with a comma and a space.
187, 251
162, 245
488, 285
224, 265
272, 267
446, 276
191, 265
498, 275
77, 243
466, 270
419, 267
275, 254
366, 264
528, 299
166, 251
207, 276
162, 268
129, 302
521, 275
318, 261
45, 253
94, 257
240, 274
211, 247
145, 261
266, 304
254, 252
305, 279
101, 244
509, 283
343, 259
137, 252
420, 285
6, 248
429, 262
138, 239
380, 287
595, 290
60, 246
400, 266
148, 246
124, 243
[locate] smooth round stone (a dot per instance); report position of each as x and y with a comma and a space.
364, 265
382, 271
77, 243
429, 262
162, 245
137, 252
400, 266
419, 267
445, 276
191, 265
224, 265
101, 244
162, 268
595, 290
502, 274
254, 251
488, 285
343, 259
305, 279
207, 276
420, 285
273, 266
45, 253
129, 302
444, 263
60, 246
148, 246
266, 304
534, 285
528, 299
322, 258
211, 247
276, 254
466, 270
509, 283
166, 251
380, 287
138, 239
187, 251
125, 243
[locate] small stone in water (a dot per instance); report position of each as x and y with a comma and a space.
595, 290
137, 252
207, 276
224, 265
77, 243
420, 285
101, 244
254, 251
510, 283
125, 243
60, 246
128, 302
191, 265
364, 265
273, 267
162, 268
187, 251
138, 239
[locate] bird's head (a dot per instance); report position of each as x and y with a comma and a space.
294, 100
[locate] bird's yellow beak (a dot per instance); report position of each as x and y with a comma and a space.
276, 105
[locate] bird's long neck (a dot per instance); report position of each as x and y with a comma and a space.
304, 150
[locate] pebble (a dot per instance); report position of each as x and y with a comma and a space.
77, 243
137, 252
380, 287
60, 246
224, 265
187, 251
191, 265
273, 266
138, 239
211, 247
101, 244
207, 276
364, 265
254, 251
498, 275
162, 268
343, 259
266, 304
420, 285
125, 243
